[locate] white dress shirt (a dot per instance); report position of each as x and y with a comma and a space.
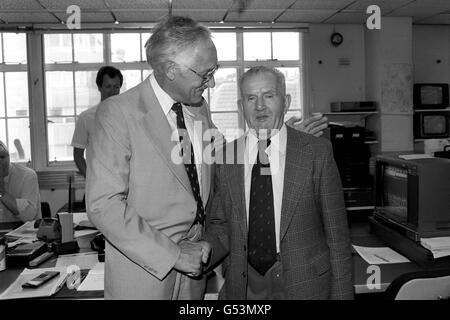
194, 130
22, 183
276, 153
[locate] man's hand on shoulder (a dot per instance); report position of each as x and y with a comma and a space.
314, 125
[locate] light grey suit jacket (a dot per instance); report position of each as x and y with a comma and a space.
137, 197
315, 245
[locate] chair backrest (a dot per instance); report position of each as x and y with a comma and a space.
421, 285
45, 210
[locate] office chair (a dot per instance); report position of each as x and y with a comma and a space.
420, 285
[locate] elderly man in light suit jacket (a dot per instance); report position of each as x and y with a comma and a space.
138, 195
278, 211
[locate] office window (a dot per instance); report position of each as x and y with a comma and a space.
279, 49
14, 102
71, 65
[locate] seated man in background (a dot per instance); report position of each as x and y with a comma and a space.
19, 190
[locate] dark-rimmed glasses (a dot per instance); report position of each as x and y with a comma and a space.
207, 76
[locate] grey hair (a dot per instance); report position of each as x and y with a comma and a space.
172, 35
261, 69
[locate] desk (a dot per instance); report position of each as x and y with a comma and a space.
8, 276
360, 235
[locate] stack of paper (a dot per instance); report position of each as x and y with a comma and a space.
15, 290
95, 279
380, 255
439, 246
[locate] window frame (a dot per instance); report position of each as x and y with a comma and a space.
37, 67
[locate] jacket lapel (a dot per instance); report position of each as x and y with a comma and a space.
236, 185
298, 167
158, 131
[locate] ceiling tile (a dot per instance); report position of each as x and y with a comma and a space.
438, 19
385, 5
138, 4
20, 5
147, 16
263, 4
89, 17
321, 4
348, 17
202, 4
63, 4
253, 16
27, 18
202, 15
310, 16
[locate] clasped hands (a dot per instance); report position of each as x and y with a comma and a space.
192, 257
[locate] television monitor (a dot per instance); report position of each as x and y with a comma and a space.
431, 124
413, 196
430, 95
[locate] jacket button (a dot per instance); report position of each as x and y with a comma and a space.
245, 247
243, 274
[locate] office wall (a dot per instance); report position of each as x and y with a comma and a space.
336, 73
431, 53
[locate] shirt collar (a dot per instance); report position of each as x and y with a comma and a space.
277, 142
165, 100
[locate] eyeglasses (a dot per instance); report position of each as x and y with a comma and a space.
207, 76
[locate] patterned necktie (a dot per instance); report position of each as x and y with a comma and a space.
261, 234
189, 162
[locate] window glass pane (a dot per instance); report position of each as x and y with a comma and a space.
224, 94
86, 90
125, 47
226, 45
60, 131
19, 139
146, 73
257, 46
16, 104
1, 45
3, 130
2, 96
130, 79
59, 93
285, 45
88, 47
15, 47
57, 48
227, 123
293, 86
144, 38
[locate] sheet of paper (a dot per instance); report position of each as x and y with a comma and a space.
81, 233
26, 232
85, 260
95, 280
81, 219
415, 156
15, 290
380, 255
439, 246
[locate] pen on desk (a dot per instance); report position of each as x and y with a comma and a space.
380, 257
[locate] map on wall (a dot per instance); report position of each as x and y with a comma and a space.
397, 88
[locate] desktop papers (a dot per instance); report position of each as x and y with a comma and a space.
415, 156
86, 260
380, 255
81, 219
95, 280
26, 233
439, 246
15, 290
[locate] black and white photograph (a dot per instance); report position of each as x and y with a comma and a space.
218, 155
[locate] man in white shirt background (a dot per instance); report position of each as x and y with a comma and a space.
109, 81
